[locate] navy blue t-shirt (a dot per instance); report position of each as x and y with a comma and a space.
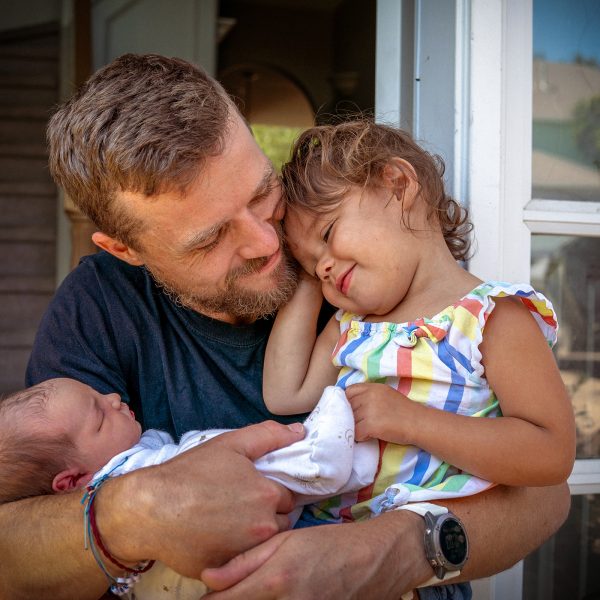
110, 326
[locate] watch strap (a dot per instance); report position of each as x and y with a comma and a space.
422, 508
435, 580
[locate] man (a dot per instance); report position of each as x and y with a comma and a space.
171, 317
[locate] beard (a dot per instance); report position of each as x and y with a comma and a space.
234, 299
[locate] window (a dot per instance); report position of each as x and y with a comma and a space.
563, 218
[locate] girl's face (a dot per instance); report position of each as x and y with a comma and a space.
361, 251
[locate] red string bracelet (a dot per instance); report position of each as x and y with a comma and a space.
94, 527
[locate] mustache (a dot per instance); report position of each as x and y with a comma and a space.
253, 265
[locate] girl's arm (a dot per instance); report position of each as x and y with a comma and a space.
533, 443
297, 362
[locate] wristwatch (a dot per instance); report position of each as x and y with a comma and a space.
446, 542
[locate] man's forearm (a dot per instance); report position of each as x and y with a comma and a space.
42, 554
505, 524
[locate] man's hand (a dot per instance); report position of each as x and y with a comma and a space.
351, 561
384, 557
380, 412
202, 507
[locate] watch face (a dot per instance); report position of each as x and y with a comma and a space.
453, 541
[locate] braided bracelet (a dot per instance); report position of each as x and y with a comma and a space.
93, 541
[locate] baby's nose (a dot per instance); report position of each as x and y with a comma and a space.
115, 401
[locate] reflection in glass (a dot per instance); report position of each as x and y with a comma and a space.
567, 565
567, 270
566, 99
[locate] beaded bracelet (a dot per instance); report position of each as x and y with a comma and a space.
93, 541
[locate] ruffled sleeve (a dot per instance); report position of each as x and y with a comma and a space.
480, 303
538, 305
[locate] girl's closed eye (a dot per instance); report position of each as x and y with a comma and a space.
327, 231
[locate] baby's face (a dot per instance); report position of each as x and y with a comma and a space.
100, 425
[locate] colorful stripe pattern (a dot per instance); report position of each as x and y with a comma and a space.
434, 361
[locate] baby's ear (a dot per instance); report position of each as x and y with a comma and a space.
70, 479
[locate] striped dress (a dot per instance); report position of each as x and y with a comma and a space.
433, 361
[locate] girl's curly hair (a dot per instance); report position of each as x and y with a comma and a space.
327, 160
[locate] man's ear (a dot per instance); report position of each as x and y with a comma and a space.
119, 249
400, 177
70, 479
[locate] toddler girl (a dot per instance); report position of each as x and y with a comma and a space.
422, 348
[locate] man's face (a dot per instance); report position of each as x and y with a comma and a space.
218, 248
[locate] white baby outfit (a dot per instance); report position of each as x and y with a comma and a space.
305, 467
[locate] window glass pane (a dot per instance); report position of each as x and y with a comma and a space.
567, 565
567, 270
566, 99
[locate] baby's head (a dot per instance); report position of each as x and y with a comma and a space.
371, 183
55, 435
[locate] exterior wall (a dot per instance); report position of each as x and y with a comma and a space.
28, 14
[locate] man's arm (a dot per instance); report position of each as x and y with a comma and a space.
197, 510
506, 524
384, 557
41, 550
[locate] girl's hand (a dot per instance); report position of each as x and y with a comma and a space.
382, 413
307, 282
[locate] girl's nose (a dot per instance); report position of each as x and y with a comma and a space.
324, 267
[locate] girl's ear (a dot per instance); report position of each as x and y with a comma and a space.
70, 479
398, 173
400, 177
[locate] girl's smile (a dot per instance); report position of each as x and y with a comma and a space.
342, 283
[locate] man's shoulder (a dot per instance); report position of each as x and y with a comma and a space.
103, 265
103, 274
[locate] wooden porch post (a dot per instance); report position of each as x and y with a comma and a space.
81, 65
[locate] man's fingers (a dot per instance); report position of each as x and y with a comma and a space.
286, 501
241, 566
255, 441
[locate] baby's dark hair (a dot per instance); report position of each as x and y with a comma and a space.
327, 160
29, 457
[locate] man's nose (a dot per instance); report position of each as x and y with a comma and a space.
258, 235
260, 239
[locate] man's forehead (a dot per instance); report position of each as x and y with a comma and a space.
219, 213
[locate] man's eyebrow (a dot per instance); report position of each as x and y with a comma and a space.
202, 237
264, 185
